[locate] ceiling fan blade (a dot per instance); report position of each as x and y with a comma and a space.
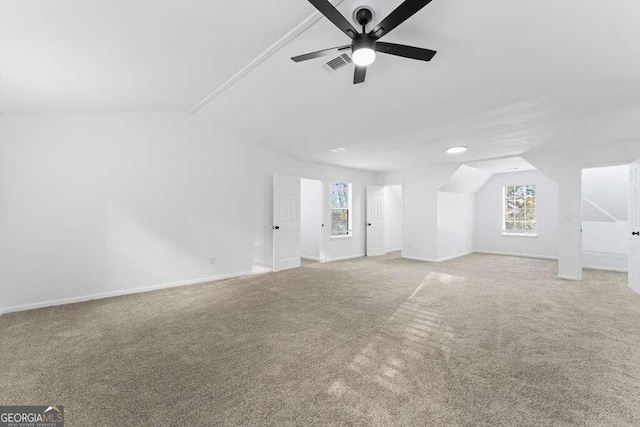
320, 53
332, 14
359, 74
403, 12
405, 51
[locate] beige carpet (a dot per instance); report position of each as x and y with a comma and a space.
481, 340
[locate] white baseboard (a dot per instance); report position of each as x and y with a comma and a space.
123, 292
310, 258
344, 258
592, 267
449, 258
393, 250
554, 258
598, 267
415, 258
608, 261
566, 277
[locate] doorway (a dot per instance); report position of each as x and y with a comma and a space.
311, 219
393, 228
384, 219
605, 218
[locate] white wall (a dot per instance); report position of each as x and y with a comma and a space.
605, 229
104, 204
608, 188
420, 225
564, 167
489, 216
310, 218
392, 218
605, 245
456, 214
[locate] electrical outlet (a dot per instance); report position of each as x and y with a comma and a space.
213, 260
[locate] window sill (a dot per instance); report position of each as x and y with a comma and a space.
348, 236
519, 235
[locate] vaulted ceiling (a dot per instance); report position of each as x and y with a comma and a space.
510, 76
130, 55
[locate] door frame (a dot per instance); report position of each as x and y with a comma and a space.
401, 184
321, 244
582, 169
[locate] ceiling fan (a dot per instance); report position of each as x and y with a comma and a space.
365, 45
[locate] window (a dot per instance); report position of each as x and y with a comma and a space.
520, 210
340, 208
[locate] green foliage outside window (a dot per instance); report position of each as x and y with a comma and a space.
520, 209
340, 205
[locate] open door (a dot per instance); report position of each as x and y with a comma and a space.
634, 226
375, 220
286, 222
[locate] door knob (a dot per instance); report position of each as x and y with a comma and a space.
369, 224
636, 233
276, 227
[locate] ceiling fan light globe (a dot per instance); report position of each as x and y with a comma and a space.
364, 56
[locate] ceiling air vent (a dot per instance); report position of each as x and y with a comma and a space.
337, 63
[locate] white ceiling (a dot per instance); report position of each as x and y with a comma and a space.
130, 55
510, 76
503, 165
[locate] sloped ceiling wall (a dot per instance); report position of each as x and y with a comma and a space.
466, 180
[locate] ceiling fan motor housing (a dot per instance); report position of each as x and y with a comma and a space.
363, 41
364, 9
364, 16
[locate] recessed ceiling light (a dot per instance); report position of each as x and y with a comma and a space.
456, 150
339, 150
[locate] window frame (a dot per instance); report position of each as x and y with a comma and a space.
349, 231
524, 231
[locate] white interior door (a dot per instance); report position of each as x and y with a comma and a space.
634, 226
375, 220
286, 222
